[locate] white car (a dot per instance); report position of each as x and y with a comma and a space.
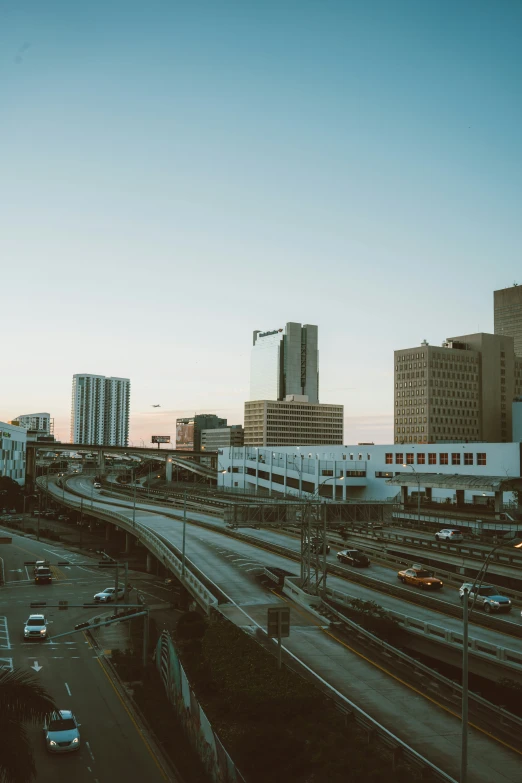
109, 594
449, 534
35, 627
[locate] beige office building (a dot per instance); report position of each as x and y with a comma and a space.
293, 421
461, 391
507, 303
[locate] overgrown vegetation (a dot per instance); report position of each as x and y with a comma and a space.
375, 619
275, 724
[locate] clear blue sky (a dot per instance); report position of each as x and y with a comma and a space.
176, 174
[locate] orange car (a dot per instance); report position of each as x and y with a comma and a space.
420, 577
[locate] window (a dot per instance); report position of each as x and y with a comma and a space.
468, 459
432, 458
421, 459
389, 459
481, 458
455, 459
383, 474
399, 458
443, 459
409, 459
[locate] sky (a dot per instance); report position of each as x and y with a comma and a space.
174, 175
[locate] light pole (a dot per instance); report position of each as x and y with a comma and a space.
516, 543
417, 476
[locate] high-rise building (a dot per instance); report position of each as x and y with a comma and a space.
285, 362
100, 410
188, 430
461, 391
507, 303
293, 421
38, 422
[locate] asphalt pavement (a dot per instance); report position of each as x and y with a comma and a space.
113, 747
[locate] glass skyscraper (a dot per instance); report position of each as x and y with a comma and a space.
285, 362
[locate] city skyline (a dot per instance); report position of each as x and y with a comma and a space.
177, 179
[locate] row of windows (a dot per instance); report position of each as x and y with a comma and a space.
432, 458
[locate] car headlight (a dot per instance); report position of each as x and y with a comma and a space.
75, 741
52, 742
43, 631
494, 603
26, 632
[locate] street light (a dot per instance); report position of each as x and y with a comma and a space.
417, 476
516, 543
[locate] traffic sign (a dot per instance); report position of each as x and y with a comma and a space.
278, 621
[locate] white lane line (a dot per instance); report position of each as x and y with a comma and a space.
55, 554
27, 572
256, 568
68, 689
4, 642
3, 570
6, 663
90, 770
89, 749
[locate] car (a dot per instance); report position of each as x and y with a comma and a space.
449, 534
35, 627
43, 575
109, 594
63, 518
97, 485
419, 576
353, 557
40, 564
487, 596
61, 732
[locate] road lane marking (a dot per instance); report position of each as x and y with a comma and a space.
3, 570
153, 755
4, 634
68, 689
420, 693
89, 749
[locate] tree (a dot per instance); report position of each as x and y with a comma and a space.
22, 700
11, 495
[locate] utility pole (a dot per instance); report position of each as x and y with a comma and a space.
184, 533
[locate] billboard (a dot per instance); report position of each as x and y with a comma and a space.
160, 438
185, 436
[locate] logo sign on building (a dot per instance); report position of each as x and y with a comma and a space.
160, 438
185, 436
266, 334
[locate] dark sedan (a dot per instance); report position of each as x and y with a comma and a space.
353, 557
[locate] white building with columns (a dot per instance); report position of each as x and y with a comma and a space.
361, 472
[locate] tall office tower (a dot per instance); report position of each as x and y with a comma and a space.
461, 391
285, 362
507, 304
100, 410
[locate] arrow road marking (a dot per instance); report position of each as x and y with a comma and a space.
36, 666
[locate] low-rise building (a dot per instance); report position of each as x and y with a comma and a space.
38, 422
292, 420
13, 439
188, 430
211, 440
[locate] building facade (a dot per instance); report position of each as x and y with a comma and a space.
507, 306
38, 422
461, 391
13, 439
211, 440
290, 421
100, 410
188, 430
285, 362
360, 472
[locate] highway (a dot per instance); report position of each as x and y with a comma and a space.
112, 746
234, 566
202, 546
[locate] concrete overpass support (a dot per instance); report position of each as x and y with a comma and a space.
460, 497
128, 543
498, 503
30, 467
101, 461
427, 494
404, 496
168, 469
150, 563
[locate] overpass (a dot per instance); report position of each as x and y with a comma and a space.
202, 463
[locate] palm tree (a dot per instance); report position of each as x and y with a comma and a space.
22, 700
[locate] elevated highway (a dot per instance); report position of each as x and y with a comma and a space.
234, 565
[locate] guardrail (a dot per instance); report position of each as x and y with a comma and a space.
483, 711
443, 521
158, 548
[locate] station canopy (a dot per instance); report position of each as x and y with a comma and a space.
457, 481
